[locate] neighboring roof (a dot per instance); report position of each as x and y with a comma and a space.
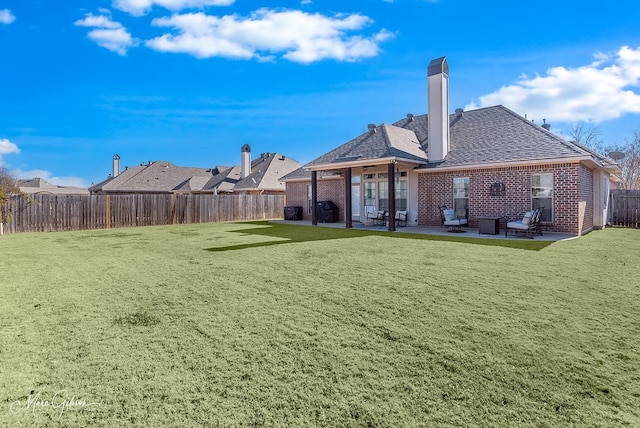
121, 178
37, 186
159, 176
491, 135
163, 176
226, 180
266, 172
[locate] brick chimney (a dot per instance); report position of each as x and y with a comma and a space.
245, 161
116, 165
438, 109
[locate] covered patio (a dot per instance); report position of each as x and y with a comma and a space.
431, 230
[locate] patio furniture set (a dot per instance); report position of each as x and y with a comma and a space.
528, 226
380, 217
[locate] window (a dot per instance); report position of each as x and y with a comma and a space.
370, 194
542, 195
376, 190
461, 196
383, 195
401, 195
309, 196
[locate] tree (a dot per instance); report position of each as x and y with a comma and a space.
8, 184
8, 187
588, 136
630, 163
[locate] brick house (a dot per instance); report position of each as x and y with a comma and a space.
485, 162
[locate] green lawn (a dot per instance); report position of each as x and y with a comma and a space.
253, 324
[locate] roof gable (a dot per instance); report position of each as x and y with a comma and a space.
384, 141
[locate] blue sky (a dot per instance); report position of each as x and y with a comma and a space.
191, 81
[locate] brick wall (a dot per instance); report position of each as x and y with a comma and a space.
328, 190
585, 195
572, 195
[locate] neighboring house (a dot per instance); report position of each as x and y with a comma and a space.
485, 162
252, 176
39, 186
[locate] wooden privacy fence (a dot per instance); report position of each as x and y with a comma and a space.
49, 213
624, 208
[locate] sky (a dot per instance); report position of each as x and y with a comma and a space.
191, 81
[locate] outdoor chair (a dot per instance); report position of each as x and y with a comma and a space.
527, 226
449, 219
401, 217
379, 217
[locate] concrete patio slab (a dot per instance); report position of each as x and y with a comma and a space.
430, 230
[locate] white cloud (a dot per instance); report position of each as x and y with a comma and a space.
602, 90
140, 7
6, 17
107, 33
102, 21
7, 147
48, 176
298, 36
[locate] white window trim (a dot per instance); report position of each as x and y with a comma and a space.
541, 197
400, 176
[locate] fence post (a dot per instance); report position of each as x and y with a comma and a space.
108, 211
174, 214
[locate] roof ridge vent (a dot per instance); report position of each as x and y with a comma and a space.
372, 128
410, 117
459, 112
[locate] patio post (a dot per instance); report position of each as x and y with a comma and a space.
314, 198
391, 176
347, 199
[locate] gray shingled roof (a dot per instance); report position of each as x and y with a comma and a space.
163, 176
266, 172
159, 176
225, 180
498, 135
386, 141
484, 136
38, 185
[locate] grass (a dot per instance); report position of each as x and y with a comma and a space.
254, 324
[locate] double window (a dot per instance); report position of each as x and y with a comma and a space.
542, 194
376, 190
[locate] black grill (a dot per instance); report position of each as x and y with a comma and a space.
327, 212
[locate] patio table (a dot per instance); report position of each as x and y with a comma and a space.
489, 225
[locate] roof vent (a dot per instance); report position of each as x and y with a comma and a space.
459, 112
545, 125
372, 128
410, 117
